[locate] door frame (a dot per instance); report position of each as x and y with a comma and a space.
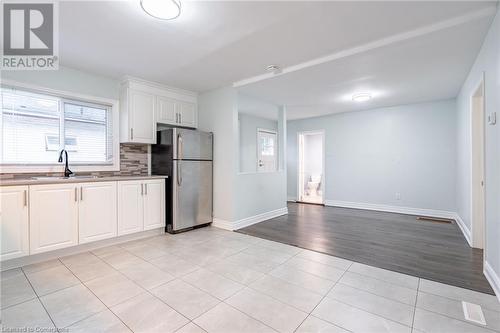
299, 164
478, 193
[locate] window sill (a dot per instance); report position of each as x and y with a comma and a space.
58, 168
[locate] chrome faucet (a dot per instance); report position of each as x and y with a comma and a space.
67, 171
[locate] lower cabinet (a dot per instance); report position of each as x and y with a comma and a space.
53, 217
40, 218
14, 224
141, 205
97, 211
154, 204
130, 207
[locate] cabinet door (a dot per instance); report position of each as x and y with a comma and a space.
154, 204
130, 207
142, 117
14, 222
97, 211
188, 114
53, 217
165, 111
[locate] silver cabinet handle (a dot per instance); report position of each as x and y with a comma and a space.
142, 189
76, 194
25, 198
146, 189
81, 193
180, 118
131, 134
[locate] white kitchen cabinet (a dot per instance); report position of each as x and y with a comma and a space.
166, 111
141, 205
154, 204
53, 217
97, 211
137, 116
175, 112
14, 227
188, 115
130, 207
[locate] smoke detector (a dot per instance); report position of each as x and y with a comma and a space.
273, 69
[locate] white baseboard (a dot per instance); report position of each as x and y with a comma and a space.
292, 199
393, 209
259, 218
492, 278
465, 230
227, 225
36, 258
222, 224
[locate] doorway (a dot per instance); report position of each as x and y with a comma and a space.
477, 168
311, 166
267, 152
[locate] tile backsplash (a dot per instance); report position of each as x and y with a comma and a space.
133, 162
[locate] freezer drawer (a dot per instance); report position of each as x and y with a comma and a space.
192, 194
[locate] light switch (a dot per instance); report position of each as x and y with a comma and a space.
492, 118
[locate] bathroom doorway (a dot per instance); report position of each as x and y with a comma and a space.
311, 166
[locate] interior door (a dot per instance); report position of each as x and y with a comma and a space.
192, 193
267, 150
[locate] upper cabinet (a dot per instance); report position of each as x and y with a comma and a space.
144, 104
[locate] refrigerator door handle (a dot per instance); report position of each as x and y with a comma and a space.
179, 170
180, 147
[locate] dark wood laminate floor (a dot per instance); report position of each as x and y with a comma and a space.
434, 251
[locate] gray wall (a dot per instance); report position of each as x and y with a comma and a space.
68, 79
488, 61
248, 125
372, 155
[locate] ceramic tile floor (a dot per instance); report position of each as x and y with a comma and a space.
211, 280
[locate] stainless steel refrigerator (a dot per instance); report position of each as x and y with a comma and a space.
186, 157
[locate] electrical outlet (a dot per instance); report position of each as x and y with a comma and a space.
398, 196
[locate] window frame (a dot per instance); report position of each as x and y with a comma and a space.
66, 96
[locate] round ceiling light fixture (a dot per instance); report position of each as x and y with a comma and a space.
273, 69
361, 97
162, 9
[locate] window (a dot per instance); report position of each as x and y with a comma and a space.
267, 150
35, 127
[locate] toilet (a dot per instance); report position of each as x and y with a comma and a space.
313, 185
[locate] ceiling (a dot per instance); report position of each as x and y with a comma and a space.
215, 43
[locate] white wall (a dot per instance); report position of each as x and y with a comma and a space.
372, 155
70, 80
239, 198
488, 61
217, 113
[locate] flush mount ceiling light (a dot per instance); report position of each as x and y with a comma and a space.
162, 9
361, 97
